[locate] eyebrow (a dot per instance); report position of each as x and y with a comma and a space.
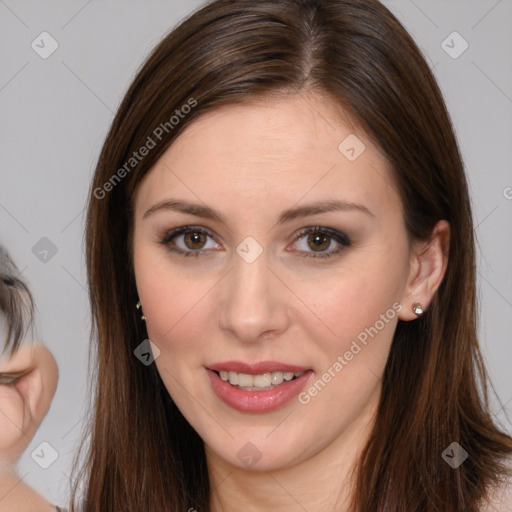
288, 215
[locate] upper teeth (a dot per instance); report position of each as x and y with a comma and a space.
261, 380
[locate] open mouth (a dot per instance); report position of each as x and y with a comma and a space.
258, 393
258, 382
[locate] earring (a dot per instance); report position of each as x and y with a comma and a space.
139, 306
417, 308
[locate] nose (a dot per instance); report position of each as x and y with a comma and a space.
253, 301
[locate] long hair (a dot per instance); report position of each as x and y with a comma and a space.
142, 454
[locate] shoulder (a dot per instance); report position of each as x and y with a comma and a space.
499, 499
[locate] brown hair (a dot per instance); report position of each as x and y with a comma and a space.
16, 304
143, 454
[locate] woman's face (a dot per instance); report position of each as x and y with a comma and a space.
249, 286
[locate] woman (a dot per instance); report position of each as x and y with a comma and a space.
280, 206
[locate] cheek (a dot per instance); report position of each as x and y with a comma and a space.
14, 423
351, 354
356, 312
347, 302
172, 307
357, 319
175, 305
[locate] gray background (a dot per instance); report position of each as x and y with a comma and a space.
55, 113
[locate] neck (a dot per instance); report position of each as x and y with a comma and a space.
15, 494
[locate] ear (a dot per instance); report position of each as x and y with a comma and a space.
28, 380
428, 263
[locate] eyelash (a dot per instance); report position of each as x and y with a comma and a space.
338, 236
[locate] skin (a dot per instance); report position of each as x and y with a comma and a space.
250, 162
24, 403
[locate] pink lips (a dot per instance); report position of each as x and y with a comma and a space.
256, 368
257, 401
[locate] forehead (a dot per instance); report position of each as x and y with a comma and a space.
274, 150
273, 129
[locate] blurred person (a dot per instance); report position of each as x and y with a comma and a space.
28, 380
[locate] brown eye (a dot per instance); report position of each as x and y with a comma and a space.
313, 242
194, 240
189, 241
318, 241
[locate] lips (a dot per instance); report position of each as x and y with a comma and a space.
256, 368
264, 399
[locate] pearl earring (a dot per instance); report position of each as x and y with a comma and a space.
417, 308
